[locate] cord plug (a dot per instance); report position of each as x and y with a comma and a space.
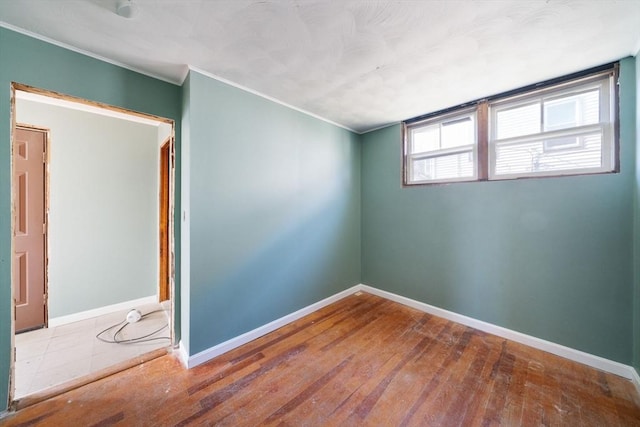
133, 316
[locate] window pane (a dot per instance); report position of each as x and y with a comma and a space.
425, 138
518, 121
458, 132
443, 167
563, 143
550, 155
571, 111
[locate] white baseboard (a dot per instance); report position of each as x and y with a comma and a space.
210, 353
636, 379
588, 359
83, 315
183, 355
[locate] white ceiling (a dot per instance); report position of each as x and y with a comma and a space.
362, 64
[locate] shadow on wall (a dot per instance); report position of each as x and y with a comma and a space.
297, 264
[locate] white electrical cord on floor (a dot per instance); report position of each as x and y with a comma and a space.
132, 317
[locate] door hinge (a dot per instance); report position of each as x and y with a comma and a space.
44, 228
44, 157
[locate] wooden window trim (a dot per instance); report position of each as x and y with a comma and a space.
616, 123
483, 141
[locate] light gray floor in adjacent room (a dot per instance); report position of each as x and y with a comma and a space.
51, 356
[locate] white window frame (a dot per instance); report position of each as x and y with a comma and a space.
410, 157
604, 82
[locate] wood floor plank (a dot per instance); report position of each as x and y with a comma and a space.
454, 367
440, 388
370, 360
514, 404
308, 392
552, 390
470, 390
362, 361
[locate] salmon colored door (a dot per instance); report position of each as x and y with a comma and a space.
29, 229
164, 222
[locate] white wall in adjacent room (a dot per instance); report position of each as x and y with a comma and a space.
103, 207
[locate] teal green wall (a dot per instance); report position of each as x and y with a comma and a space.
274, 211
636, 281
33, 62
548, 257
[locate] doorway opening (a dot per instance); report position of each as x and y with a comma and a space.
105, 227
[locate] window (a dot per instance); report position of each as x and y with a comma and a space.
557, 131
564, 127
443, 149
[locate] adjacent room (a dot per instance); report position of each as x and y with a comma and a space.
102, 252
340, 213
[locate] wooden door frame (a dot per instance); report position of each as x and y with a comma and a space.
164, 292
171, 225
171, 229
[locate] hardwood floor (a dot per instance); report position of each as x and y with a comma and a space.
363, 360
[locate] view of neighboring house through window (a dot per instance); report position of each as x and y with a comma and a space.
563, 128
553, 132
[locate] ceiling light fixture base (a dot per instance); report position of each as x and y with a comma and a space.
127, 9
